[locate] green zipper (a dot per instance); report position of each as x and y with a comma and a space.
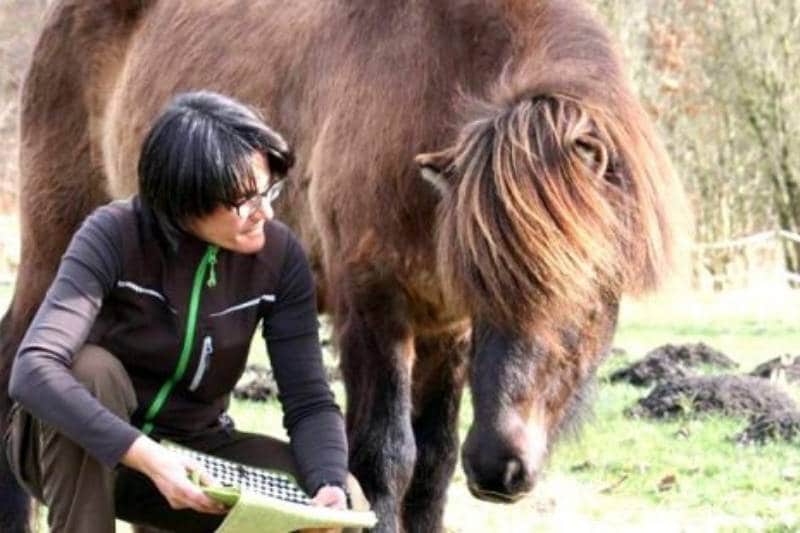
208, 260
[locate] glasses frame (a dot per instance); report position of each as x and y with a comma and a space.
245, 209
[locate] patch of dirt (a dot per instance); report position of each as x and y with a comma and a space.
616, 351
783, 425
730, 395
671, 362
258, 383
650, 370
694, 355
784, 367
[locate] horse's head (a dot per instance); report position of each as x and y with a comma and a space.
551, 206
524, 396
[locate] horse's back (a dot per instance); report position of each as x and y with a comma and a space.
359, 88
365, 69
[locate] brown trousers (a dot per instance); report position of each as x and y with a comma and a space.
84, 495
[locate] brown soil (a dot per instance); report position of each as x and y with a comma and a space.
671, 362
729, 395
763, 428
785, 366
616, 351
650, 370
258, 383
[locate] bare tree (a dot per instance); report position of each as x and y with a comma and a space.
763, 42
20, 20
722, 79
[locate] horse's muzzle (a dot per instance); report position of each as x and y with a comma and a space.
494, 473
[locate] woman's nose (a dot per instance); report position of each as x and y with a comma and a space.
264, 212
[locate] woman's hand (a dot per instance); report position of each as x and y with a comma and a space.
170, 474
330, 496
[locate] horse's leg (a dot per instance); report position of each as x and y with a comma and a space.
60, 182
377, 350
43, 242
42, 246
439, 375
14, 503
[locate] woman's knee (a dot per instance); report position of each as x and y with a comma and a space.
104, 376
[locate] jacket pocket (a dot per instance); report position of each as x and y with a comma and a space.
206, 351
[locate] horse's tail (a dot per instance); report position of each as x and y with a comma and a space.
557, 195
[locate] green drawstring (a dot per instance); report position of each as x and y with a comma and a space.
208, 260
212, 262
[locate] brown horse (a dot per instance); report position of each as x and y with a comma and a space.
547, 194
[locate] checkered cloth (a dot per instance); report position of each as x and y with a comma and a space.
256, 480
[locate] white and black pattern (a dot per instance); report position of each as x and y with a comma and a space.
248, 478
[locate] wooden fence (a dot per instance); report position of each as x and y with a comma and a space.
745, 261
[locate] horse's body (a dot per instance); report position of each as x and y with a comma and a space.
551, 197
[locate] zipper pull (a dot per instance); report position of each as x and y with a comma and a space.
212, 262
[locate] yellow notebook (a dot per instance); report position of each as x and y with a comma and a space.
267, 501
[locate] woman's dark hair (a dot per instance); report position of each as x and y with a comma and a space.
198, 155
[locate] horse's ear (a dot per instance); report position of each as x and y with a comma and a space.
432, 168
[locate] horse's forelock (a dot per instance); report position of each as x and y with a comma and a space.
534, 226
659, 222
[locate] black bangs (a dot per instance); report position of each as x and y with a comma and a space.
198, 155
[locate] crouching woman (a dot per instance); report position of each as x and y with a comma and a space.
146, 329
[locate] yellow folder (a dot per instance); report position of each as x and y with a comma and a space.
267, 501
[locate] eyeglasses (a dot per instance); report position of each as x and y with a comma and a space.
246, 208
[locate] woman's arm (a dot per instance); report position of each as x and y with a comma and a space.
42, 383
311, 416
41, 380
169, 472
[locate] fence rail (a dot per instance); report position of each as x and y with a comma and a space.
760, 238
754, 257
764, 236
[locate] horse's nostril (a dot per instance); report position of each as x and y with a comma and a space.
516, 478
513, 469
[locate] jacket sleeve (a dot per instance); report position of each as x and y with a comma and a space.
310, 414
41, 380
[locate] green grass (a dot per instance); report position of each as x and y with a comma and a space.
610, 477
718, 485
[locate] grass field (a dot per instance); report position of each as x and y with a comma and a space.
616, 474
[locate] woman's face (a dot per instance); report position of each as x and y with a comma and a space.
242, 233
